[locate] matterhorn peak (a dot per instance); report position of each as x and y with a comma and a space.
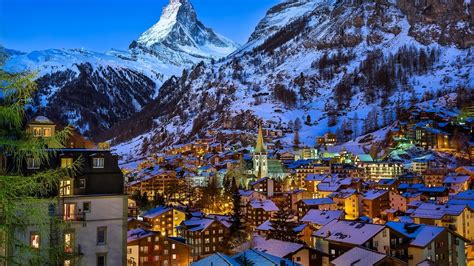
181, 39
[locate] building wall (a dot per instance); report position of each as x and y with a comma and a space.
109, 211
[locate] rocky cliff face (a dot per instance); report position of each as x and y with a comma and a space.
442, 21
339, 66
179, 38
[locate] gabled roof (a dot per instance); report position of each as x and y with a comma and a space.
198, 224
263, 259
266, 205
359, 257
374, 194
216, 259
138, 233
156, 212
321, 218
420, 234
437, 211
350, 232
276, 247
320, 201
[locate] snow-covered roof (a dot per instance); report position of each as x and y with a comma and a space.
156, 212
320, 201
465, 195
420, 234
266, 205
216, 259
320, 218
262, 258
315, 177
456, 179
359, 257
198, 224
343, 193
350, 232
42, 120
374, 193
138, 233
437, 211
275, 247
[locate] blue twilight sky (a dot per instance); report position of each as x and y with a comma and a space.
99, 25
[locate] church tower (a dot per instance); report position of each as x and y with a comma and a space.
260, 158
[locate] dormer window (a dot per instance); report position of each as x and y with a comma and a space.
32, 163
98, 162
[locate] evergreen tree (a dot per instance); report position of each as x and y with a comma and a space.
283, 227
27, 200
237, 235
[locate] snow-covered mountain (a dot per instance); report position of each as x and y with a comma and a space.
94, 91
179, 38
340, 66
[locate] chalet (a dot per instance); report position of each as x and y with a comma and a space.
340, 236
299, 253
415, 243
349, 201
153, 181
327, 140
457, 182
387, 184
164, 219
374, 202
146, 247
204, 235
305, 205
458, 218
259, 211
267, 186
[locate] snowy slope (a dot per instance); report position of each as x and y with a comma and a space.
287, 51
117, 84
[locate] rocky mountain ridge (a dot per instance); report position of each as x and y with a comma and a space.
339, 66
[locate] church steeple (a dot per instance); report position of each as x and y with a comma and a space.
260, 147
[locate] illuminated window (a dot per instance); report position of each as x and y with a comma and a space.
173, 246
37, 131
66, 162
67, 263
47, 132
98, 163
69, 211
173, 256
35, 240
65, 187
68, 242
32, 163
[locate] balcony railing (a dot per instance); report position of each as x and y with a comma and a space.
74, 217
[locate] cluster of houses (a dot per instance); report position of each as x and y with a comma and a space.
347, 209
